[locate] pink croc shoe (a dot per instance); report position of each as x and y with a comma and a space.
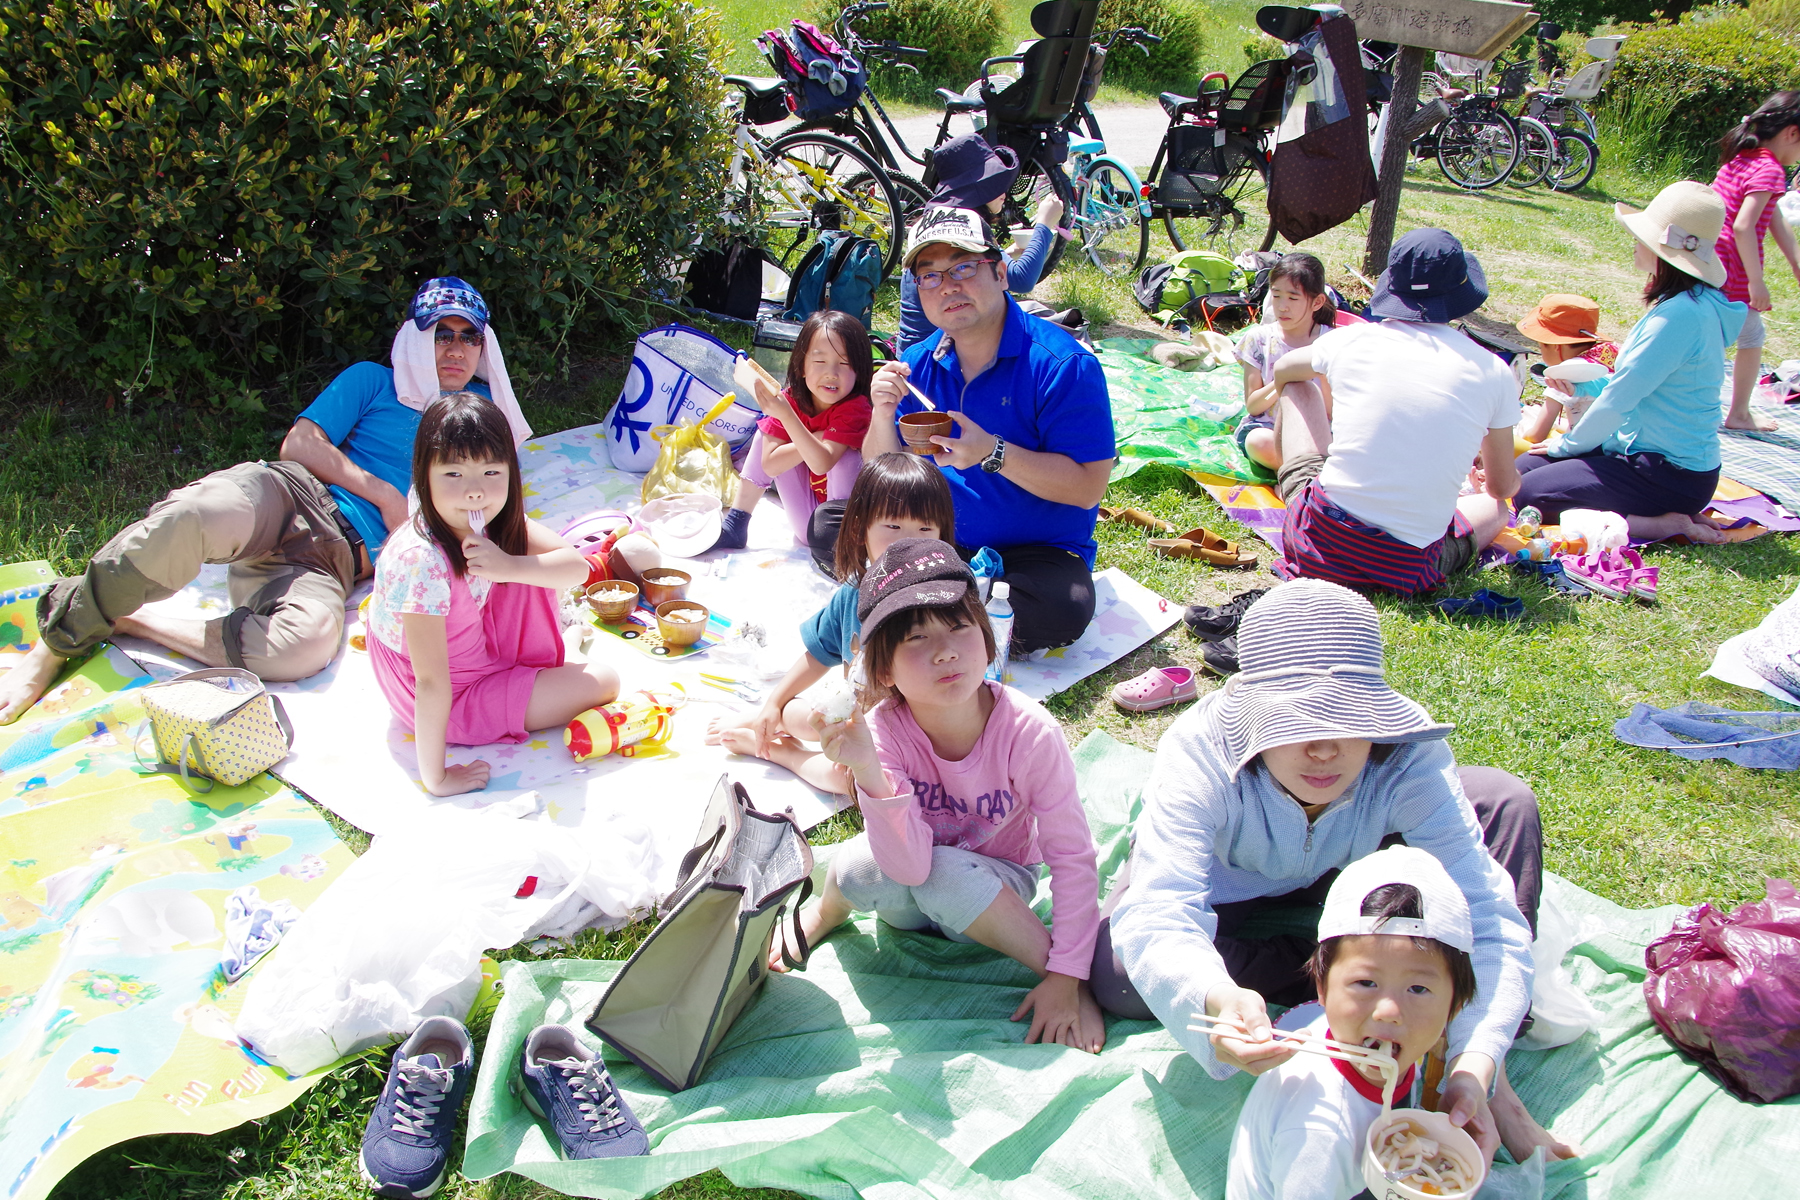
1156, 688
1639, 580
1598, 575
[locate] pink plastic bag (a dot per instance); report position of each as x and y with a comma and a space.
1725, 988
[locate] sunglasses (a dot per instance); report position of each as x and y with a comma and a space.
449, 337
962, 272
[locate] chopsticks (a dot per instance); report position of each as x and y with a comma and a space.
921, 397
1307, 1042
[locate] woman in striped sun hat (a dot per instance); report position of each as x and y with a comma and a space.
1303, 763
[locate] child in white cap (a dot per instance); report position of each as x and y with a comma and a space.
1391, 969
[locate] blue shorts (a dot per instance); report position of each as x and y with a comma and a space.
1264, 421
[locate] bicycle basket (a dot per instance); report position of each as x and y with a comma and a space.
1513, 80
1195, 168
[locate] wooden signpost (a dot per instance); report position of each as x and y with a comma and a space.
1476, 28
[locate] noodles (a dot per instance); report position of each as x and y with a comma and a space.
1411, 1158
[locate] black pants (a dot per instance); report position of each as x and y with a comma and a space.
1507, 810
1052, 588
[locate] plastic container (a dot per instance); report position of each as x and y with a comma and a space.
1000, 617
662, 584
1436, 1126
681, 633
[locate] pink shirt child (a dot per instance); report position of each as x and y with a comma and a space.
1751, 171
1012, 797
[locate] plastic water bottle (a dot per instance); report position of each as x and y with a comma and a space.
1000, 617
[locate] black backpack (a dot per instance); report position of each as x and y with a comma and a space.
727, 281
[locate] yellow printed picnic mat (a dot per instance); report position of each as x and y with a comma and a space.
115, 1014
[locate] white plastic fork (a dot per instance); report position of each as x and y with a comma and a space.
477, 522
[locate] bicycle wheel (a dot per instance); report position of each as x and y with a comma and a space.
1537, 153
1477, 150
1108, 221
913, 199
1244, 186
1036, 181
804, 183
1576, 158
1587, 122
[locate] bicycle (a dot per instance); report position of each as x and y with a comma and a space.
1478, 146
796, 185
1216, 153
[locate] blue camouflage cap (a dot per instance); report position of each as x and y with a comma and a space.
448, 296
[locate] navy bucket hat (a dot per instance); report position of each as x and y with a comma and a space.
971, 173
1429, 278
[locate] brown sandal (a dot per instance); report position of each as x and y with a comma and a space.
1136, 516
1205, 545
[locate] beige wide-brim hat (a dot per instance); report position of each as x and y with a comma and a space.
1682, 226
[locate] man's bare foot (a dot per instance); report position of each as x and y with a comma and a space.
1519, 1131
1090, 1026
1750, 422
21, 687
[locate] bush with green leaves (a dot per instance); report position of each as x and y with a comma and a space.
959, 34
1175, 63
1677, 88
198, 194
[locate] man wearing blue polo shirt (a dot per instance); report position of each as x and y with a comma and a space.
297, 534
1033, 442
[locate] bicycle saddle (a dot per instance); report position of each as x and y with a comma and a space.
756, 87
956, 102
1173, 104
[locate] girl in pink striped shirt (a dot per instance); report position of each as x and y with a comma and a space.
1753, 163
966, 788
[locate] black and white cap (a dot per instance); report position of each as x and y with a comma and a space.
1310, 660
1446, 909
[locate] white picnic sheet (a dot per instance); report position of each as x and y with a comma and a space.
353, 757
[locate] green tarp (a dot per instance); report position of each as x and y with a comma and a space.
1181, 419
888, 1070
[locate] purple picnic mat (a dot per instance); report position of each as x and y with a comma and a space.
1252, 505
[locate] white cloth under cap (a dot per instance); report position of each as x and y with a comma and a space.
1445, 907
416, 378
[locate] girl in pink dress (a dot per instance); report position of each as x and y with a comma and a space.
1754, 158
463, 627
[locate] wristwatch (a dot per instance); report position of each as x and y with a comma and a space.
996, 457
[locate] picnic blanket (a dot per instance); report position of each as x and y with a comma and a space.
1180, 419
351, 756
1768, 462
115, 1013
888, 1069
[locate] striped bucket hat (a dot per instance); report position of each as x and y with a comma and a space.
1310, 661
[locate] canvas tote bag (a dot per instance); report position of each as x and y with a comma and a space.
219, 723
676, 998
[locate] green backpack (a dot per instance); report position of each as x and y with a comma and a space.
1192, 283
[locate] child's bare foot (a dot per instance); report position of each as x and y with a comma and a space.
718, 727
21, 687
812, 924
1090, 1026
738, 740
1519, 1131
1750, 422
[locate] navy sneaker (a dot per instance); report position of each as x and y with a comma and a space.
406, 1147
565, 1083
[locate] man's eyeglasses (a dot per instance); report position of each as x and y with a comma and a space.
962, 272
448, 337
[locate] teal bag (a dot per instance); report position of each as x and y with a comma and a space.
841, 271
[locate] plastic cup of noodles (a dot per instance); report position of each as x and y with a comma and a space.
1452, 1142
681, 622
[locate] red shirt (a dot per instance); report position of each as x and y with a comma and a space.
1751, 171
845, 423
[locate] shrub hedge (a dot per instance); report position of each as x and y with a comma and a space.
1682, 86
198, 192
959, 34
1175, 64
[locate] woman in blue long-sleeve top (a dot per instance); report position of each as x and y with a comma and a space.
972, 174
1648, 446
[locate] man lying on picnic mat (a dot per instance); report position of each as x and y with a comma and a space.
1372, 486
298, 534
1033, 443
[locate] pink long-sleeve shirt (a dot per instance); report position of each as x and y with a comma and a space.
1013, 797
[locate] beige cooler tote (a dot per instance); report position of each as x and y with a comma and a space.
672, 1004
219, 723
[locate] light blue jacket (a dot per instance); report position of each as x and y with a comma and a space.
1663, 396
1207, 838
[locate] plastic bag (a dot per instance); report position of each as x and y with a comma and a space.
692, 459
1523, 1182
1601, 530
1725, 988
1560, 1012
399, 936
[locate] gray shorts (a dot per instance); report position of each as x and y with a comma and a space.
960, 887
1753, 334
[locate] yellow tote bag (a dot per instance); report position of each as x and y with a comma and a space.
692, 459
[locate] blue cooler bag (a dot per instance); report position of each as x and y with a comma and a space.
677, 375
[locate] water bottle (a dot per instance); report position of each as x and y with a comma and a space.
1000, 617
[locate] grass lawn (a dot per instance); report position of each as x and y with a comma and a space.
1537, 697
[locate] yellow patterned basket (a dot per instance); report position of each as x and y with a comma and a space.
219, 723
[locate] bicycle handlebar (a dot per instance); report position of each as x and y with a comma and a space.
1130, 34
899, 51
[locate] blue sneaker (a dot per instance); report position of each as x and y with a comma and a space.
564, 1082
406, 1147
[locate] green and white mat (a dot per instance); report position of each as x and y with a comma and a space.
888, 1070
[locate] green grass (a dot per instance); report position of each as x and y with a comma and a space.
1538, 697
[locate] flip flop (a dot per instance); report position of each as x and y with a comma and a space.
1206, 546
1136, 516
1484, 603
